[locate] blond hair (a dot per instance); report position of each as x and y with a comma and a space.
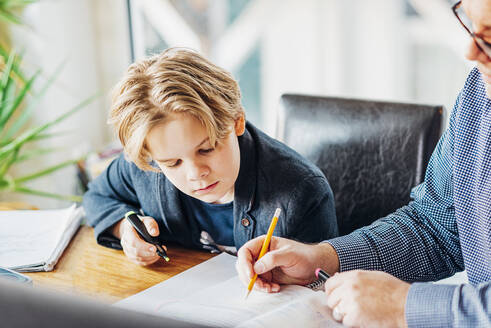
176, 81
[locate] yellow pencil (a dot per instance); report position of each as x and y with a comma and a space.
265, 247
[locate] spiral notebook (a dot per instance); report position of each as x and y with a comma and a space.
33, 240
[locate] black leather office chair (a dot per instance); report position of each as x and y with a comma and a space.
371, 152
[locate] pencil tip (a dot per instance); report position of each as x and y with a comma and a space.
247, 294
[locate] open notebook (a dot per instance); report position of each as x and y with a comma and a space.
211, 294
35, 240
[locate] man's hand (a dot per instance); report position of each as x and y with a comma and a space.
286, 262
367, 298
136, 249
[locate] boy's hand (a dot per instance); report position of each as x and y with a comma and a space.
286, 262
135, 248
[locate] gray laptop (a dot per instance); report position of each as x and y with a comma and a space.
22, 305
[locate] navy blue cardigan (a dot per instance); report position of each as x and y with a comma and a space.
271, 175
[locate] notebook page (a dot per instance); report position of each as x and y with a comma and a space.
212, 294
30, 237
74, 222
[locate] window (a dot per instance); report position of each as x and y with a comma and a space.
403, 50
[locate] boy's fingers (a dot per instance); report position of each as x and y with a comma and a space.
136, 249
147, 259
141, 247
143, 262
151, 225
136, 255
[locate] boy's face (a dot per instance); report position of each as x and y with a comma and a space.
181, 147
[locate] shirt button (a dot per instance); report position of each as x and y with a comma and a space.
245, 222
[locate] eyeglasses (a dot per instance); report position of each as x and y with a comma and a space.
484, 46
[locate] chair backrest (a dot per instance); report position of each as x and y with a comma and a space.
371, 152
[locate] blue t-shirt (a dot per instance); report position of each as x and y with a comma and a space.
216, 219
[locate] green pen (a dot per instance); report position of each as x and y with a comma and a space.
142, 231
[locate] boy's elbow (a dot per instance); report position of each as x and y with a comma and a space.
91, 204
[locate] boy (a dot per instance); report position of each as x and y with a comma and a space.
203, 176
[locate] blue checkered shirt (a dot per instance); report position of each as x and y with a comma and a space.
445, 228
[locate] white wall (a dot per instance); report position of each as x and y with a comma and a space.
333, 47
363, 49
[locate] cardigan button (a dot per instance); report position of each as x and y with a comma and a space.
245, 222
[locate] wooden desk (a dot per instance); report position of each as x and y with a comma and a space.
88, 268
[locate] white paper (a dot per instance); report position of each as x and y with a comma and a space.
211, 294
34, 240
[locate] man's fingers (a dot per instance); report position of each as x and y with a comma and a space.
271, 260
244, 266
243, 270
335, 295
266, 287
245, 258
262, 286
333, 282
151, 225
254, 246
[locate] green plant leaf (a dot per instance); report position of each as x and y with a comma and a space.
46, 171
9, 93
9, 17
27, 155
7, 161
13, 90
8, 68
6, 74
27, 112
7, 112
42, 136
32, 133
38, 137
15, 68
17, 3
9, 99
25, 190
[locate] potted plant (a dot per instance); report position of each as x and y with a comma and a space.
14, 116
16, 111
